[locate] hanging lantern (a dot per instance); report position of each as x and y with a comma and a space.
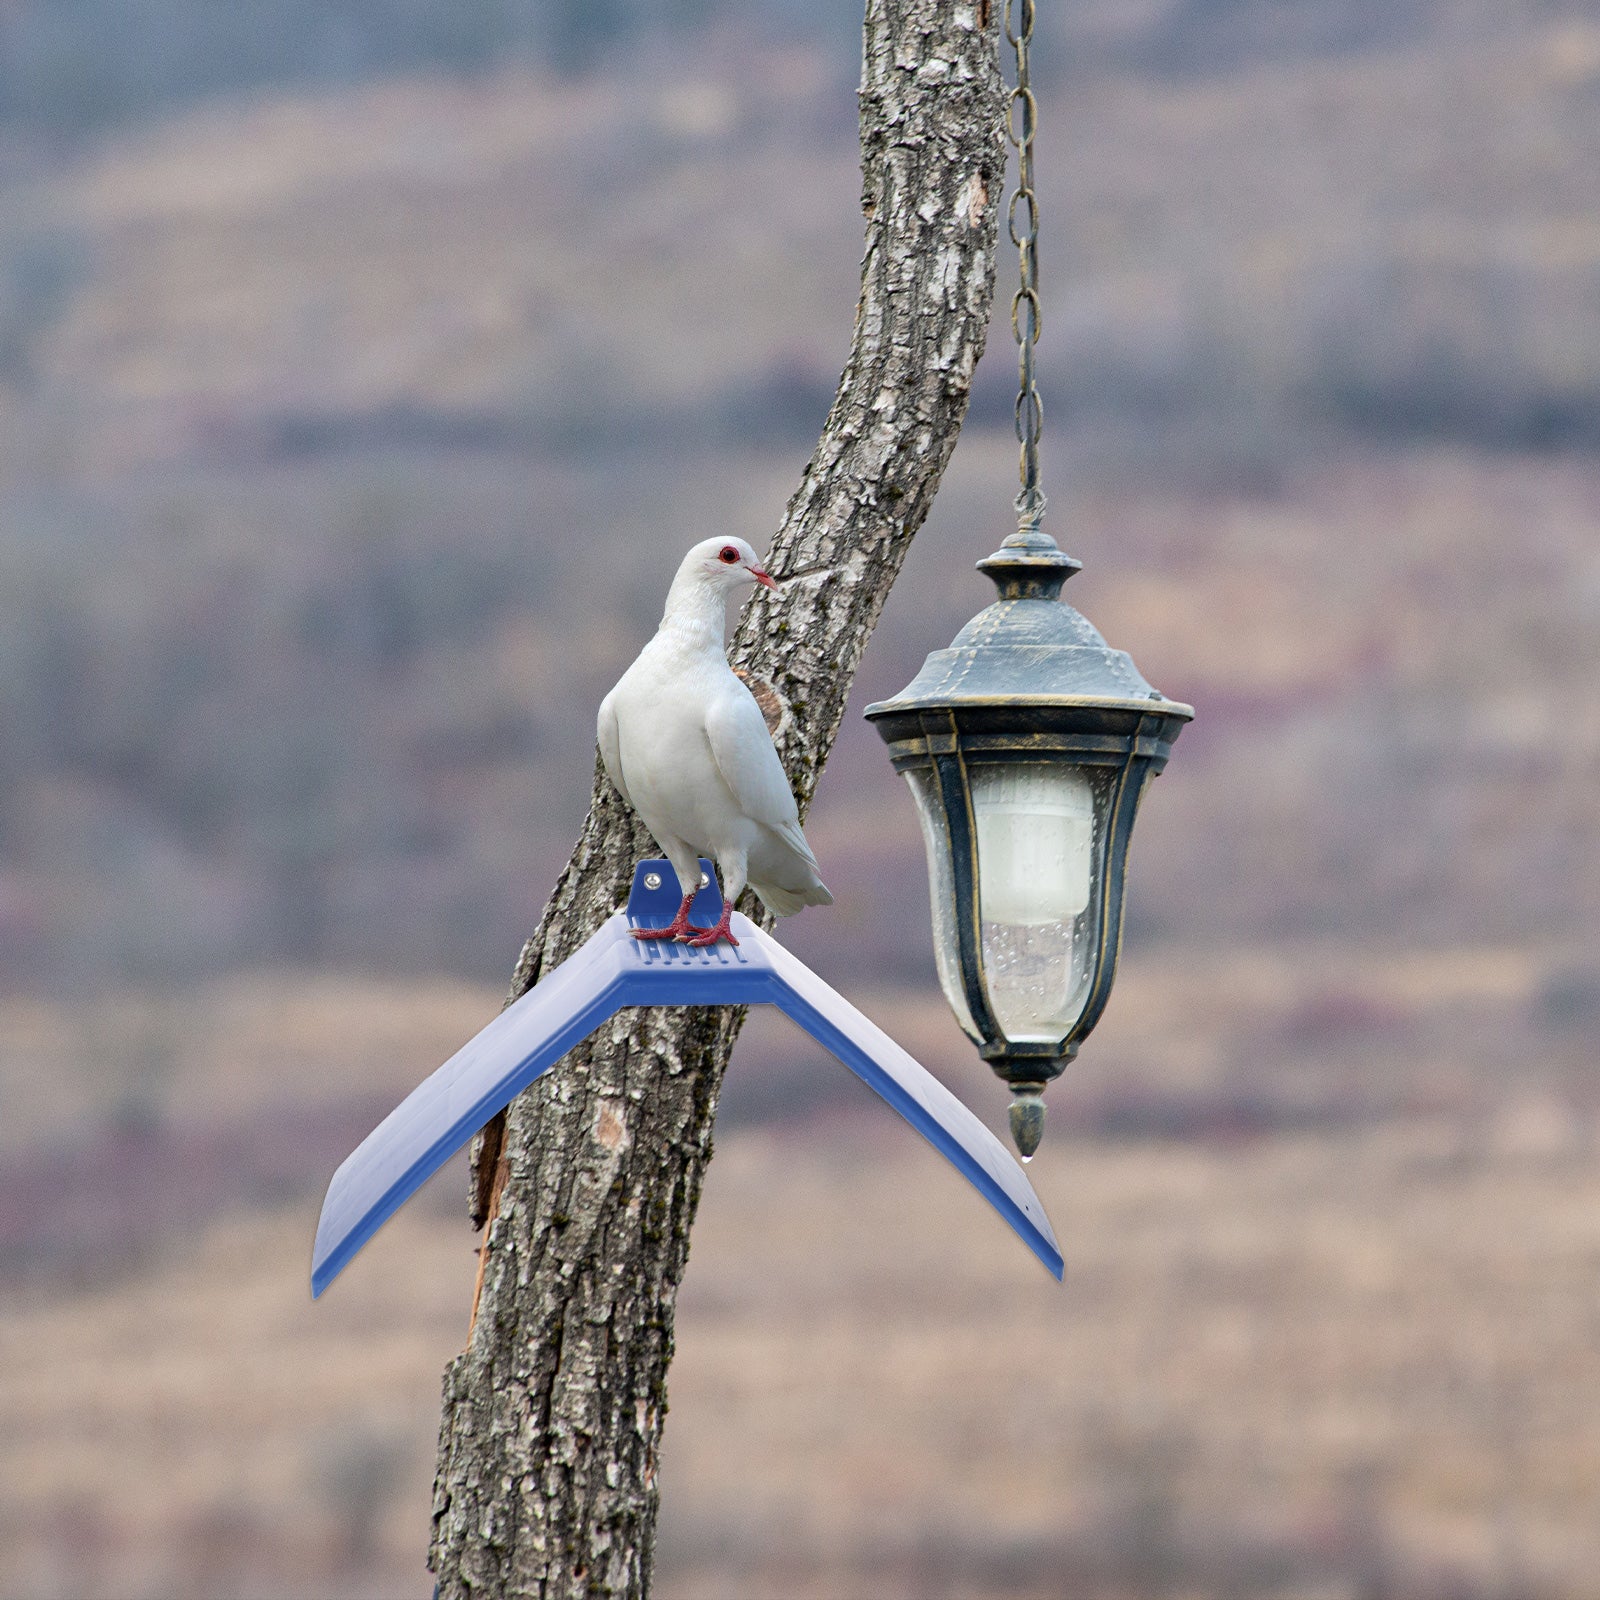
1028, 745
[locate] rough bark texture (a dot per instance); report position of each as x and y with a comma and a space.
552, 1415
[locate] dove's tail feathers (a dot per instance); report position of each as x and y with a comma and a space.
791, 835
785, 902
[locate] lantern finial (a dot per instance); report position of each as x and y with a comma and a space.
1029, 565
1027, 1118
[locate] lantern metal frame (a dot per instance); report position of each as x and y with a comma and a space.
1031, 680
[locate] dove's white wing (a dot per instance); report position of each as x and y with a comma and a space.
742, 749
611, 744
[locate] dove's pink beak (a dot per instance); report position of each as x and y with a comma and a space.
762, 577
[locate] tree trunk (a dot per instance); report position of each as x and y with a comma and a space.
552, 1415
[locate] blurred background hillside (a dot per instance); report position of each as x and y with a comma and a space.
365, 369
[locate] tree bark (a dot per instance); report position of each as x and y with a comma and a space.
552, 1415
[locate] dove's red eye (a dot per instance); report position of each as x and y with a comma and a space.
728, 554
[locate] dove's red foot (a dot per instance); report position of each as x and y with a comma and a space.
705, 936
679, 928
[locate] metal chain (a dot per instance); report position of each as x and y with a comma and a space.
1022, 222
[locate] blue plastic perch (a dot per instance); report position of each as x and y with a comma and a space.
614, 970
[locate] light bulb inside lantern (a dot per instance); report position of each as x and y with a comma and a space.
1038, 875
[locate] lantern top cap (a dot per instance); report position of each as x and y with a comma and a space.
1029, 565
1029, 649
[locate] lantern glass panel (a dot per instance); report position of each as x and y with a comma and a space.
1039, 876
941, 893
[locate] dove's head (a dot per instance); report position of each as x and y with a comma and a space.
726, 564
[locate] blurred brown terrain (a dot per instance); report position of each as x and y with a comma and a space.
348, 434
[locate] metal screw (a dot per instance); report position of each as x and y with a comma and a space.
652, 880
704, 880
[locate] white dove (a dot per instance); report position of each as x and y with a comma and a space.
687, 747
